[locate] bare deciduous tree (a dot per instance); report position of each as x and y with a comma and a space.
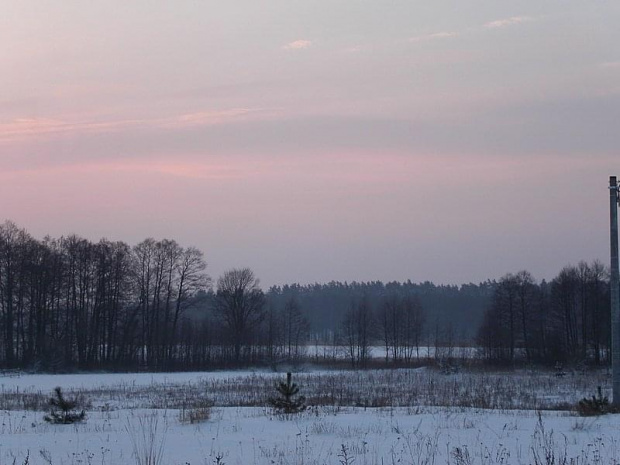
357, 332
239, 302
296, 328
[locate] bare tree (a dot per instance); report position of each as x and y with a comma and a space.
414, 319
296, 328
13, 242
357, 332
190, 279
498, 333
526, 293
239, 302
389, 320
400, 322
599, 315
274, 333
566, 304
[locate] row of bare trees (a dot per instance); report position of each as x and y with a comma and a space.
70, 302
397, 323
241, 326
274, 335
566, 319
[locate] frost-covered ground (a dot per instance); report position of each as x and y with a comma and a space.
438, 422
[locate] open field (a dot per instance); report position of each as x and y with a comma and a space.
419, 416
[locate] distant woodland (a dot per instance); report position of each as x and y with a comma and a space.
71, 304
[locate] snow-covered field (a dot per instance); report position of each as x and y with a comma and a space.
373, 417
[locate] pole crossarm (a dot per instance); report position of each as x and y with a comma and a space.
617, 189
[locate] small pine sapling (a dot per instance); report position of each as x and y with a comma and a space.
63, 411
287, 403
594, 406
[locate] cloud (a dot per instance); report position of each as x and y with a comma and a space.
27, 127
20, 128
437, 35
300, 44
610, 65
188, 168
568, 126
508, 22
206, 117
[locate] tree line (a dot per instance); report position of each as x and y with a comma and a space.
459, 307
565, 320
70, 303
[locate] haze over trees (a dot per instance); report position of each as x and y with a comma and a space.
70, 303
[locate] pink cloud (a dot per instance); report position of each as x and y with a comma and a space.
610, 65
508, 22
189, 168
300, 44
20, 128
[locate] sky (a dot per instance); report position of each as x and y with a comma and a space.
317, 140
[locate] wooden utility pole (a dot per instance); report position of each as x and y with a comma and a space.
614, 284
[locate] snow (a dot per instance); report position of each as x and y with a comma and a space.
37, 382
321, 435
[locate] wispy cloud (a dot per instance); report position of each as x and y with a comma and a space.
27, 127
300, 44
499, 23
207, 117
435, 36
218, 169
610, 65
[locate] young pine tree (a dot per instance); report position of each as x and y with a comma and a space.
594, 406
288, 401
63, 411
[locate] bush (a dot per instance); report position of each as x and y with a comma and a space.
594, 406
63, 411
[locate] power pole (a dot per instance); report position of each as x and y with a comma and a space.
614, 284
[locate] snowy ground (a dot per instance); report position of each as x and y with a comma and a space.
122, 427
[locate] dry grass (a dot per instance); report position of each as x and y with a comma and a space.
197, 411
532, 390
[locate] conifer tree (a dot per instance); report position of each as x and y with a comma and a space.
62, 411
287, 403
596, 405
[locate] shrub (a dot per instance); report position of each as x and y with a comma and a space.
287, 403
63, 411
594, 406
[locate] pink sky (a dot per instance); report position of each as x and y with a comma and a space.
314, 142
